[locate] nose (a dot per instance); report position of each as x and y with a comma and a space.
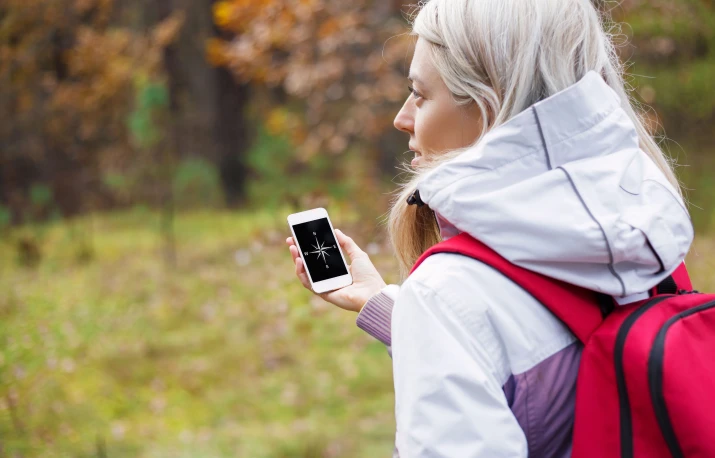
405, 120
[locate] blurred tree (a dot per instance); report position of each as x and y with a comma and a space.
151, 131
673, 50
328, 75
207, 104
67, 76
232, 135
331, 61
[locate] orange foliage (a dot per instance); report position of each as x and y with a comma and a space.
68, 79
337, 57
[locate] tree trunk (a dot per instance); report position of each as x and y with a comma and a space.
232, 136
206, 103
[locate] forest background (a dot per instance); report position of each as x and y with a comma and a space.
149, 154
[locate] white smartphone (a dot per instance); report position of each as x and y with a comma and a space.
319, 248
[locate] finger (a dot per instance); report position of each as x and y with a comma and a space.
289, 241
349, 245
300, 272
299, 267
294, 252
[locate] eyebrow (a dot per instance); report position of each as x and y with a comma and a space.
415, 78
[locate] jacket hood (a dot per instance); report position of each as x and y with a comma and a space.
564, 189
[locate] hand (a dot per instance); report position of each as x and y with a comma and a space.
366, 279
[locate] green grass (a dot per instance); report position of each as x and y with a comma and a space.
122, 355
113, 354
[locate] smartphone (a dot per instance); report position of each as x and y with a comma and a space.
319, 248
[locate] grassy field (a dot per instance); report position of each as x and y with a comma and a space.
107, 352
225, 355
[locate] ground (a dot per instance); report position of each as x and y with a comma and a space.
106, 351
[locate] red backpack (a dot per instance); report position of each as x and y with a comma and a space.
646, 381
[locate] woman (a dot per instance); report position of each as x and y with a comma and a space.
524, 138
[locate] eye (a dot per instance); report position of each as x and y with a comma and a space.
416, 94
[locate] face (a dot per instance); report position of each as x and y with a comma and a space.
434, 121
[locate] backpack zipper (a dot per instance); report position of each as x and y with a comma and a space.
655, 379
626, 423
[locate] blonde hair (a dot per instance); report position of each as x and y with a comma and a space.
506, 55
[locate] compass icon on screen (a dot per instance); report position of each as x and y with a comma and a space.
320, 248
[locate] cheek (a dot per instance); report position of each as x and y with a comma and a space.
445, 129
426, 130
433, 130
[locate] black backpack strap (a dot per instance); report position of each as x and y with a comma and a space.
667, 286
605, 303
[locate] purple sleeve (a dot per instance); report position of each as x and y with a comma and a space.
375, 318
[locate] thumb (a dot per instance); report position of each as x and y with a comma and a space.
349, 245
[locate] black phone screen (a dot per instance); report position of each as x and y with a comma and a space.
320, 250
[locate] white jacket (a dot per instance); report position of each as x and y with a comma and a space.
562, 189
